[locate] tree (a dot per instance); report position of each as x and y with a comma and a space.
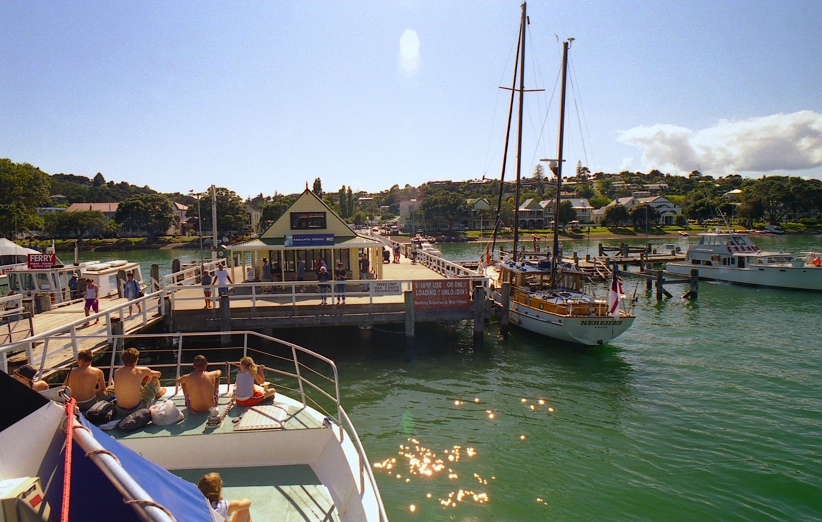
231, 214
644, 215
616, 215
98, 181
750, 209
74, 224
151, 213
680, 220
318, 188
566, 213
539, 172
774, 195
272, 211
23, 188
442, 207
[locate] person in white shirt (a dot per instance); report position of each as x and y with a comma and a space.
223, 278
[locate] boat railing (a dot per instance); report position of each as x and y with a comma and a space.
65, 337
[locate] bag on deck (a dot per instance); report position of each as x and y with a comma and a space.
166, 412
100, 413
136, 420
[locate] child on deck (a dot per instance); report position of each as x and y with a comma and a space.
211, 486
250, 387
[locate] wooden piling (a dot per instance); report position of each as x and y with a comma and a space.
694, 285
116, 342
154, 284
479, 309
225, 320
409, 313
505, 317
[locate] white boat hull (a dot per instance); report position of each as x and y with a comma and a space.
588, 331
797, 278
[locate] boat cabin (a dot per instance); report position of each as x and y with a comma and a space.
54, 281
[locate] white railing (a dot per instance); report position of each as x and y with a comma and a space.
187, 276
294, 292
64, 338
443, 266
11, 304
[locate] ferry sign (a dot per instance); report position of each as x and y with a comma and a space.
442, 294
307, 240
40, 261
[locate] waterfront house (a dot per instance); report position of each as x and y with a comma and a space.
475, 208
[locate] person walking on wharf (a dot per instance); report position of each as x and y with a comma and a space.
223, 279
91, 300
206, 280
323, 277
340, 275
131, 291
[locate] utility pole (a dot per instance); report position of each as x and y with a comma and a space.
213, 223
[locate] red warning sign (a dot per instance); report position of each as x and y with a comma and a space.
442, 294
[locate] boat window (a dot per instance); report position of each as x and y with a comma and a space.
43, 282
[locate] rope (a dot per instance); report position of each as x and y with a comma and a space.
64, 516
103, 452
152, 504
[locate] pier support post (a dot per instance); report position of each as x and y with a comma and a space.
176, 266
694, 285
225, 320
154, 284
479, 308
660, 289
409, 314
505, 316
116, 342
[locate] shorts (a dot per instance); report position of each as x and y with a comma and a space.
223, 290
92, 304
254, 400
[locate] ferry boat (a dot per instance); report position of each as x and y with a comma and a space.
12, 256
53, 281
297, 457
733, 257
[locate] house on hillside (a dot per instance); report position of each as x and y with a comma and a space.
408, 215
666, 209
474, 208
531, 214
307, 231
629, 202
109, 210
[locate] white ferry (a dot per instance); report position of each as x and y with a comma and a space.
296, 457
53, 281
732, 257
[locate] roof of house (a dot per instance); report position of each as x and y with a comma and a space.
102, 207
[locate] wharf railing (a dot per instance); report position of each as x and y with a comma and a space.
189, 275
444, 267
63, 339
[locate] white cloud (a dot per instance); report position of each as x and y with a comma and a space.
409, 59
785, 142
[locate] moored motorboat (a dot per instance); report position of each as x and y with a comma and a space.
733, 257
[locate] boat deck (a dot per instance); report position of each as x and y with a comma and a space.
297, 494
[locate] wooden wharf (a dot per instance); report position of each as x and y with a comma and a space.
51, 339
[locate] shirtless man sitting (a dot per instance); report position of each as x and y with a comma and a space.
135, 386
87, 383
200, 387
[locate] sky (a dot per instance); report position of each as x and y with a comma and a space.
264, 97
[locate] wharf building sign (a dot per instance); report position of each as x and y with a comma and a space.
441, 294
308, 240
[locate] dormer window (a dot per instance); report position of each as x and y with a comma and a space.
308, 221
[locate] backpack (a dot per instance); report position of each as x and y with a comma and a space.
135, 421
100, 413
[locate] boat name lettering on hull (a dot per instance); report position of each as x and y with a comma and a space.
600, 323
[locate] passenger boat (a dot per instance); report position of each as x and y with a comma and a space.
548, 297
12, 256
297, 457
733, 257
109, 277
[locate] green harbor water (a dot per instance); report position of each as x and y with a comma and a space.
702, 410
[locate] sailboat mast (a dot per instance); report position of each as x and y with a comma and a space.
519, 127
558, 171
505, 152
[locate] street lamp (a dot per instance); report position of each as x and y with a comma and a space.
199, 195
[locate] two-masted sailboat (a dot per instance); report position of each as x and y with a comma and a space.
548, 296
